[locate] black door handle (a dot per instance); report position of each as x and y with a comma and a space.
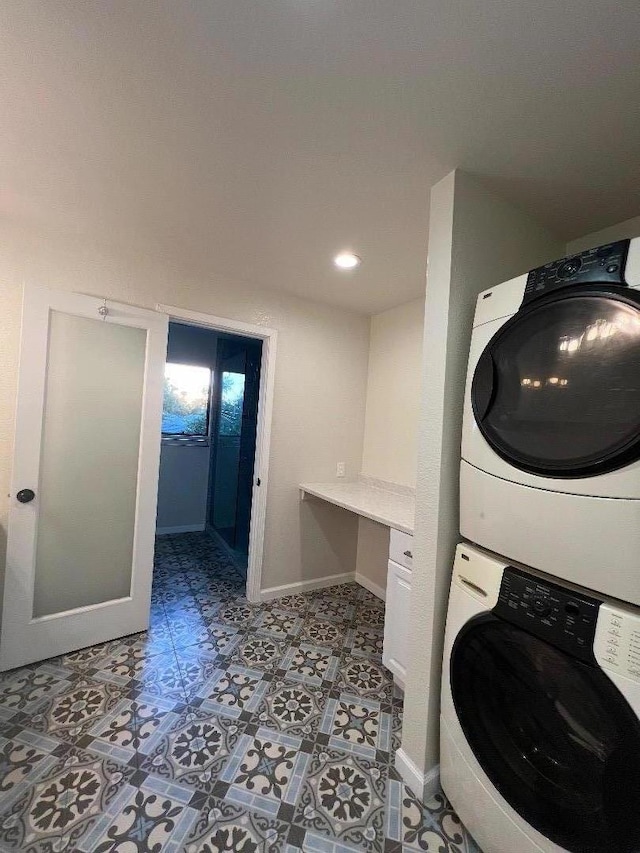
25, 495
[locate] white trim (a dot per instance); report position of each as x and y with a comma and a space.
373, 587
423, 785
212, 321
181, 528
304, 586
269, 339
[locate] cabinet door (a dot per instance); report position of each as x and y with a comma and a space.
401, 548
396, 623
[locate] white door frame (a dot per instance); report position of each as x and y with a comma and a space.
269, 339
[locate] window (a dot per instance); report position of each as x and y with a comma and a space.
231, 404
187, 391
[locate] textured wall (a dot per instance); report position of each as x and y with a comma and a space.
475, 240
393, 394
391, 423
373, 552
321, 376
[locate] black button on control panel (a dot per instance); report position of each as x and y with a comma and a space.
569, 268
605, 264
565, 619
541, 606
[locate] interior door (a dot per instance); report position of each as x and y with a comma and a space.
557, 390
84, 486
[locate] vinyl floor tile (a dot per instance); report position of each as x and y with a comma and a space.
227, 726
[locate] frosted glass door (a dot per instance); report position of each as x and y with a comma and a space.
89, 463
81, 532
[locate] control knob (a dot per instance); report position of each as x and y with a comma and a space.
540, 606
569, 268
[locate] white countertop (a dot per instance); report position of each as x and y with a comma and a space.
370, 498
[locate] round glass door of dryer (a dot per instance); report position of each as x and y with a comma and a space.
554, 735
556, 392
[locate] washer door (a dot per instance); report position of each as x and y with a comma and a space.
553, 734
557, 390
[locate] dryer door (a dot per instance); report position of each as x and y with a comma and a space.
553, 734
557, 391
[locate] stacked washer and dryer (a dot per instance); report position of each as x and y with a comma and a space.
540, 717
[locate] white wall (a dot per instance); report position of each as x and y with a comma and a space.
321, 376
475, 240
620, 231
393, 394
391, 423
373, 555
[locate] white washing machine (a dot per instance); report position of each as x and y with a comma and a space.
540, 728
550, 471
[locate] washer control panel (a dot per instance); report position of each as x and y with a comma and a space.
604, 264
617, 643
556, 614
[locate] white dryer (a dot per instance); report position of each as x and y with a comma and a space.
540, 728
550, 471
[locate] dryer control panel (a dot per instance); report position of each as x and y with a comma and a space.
554, 613
604, 264
617, 644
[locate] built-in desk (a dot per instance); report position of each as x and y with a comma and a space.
390, 505
394, 507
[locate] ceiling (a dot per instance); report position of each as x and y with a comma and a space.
256, 138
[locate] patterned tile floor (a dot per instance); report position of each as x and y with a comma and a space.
226, 727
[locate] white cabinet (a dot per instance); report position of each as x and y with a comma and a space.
398, 604
401, 548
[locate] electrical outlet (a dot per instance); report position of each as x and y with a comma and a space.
340, 469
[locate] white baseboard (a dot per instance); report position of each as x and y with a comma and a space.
305, 586
378, 591
183, 528
423, 785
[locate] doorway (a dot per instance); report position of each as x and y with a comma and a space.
84, 488
209, 430
269, 339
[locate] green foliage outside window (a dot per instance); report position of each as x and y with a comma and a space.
185, 408
231, 404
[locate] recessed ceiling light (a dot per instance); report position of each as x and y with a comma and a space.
347, 261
